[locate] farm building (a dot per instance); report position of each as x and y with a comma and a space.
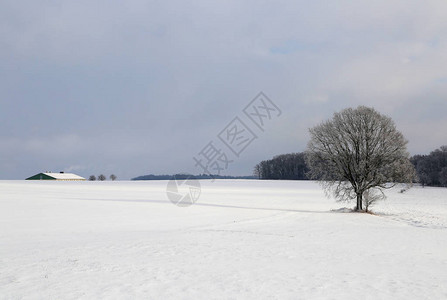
55, 176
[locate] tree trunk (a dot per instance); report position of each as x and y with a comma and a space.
359, 202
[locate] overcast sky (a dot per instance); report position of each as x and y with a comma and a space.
139, 87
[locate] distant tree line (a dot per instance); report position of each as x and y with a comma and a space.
432, 168
188, 176
102, 177
286, 166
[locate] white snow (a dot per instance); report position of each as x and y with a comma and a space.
241, 240
64, 176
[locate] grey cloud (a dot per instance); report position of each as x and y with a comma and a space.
140, 87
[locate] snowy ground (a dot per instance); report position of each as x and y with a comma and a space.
242, 240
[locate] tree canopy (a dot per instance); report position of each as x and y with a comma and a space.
290, 166
432, 168
359, 152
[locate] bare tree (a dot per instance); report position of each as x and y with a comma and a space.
358, 150
257, 171
290, 166
112, 177
92, 178
101, 177
432, 169
443, 177
371, 196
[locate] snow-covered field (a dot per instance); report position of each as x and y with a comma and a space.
242, 240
